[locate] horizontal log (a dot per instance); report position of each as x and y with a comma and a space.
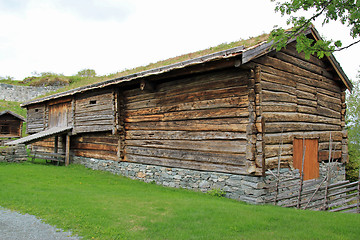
326, 112
92, 117
324, 155
292, 51
278, 107
94, 123
238, 146
274, 150
195, 83
272, 162
269, 77
276, 138
105, 109
298, 117
184, 135
185, 164
112, 140
196, 156
273, 127
241, 101
305, 95
277, 87
92, 128
93, 146
306, 88
190, 115
106, 155
304, 64
320, 83
308, 102
209, 94
278, 97
226, 125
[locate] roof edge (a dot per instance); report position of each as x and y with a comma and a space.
14, 114
155, 71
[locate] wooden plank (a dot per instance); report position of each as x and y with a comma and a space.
269, 96
186, 164
67, 152
106, 155
184, 135
278, 107
311, 164
231, 102
238, 146
197, 156
304, 64
94, 146
274, 127
190, 115
226, 125
189, 97
195, 83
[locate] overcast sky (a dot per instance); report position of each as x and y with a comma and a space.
65, 36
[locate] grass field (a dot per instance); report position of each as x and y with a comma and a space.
99, 205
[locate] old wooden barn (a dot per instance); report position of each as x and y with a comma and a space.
10, 124
212, 122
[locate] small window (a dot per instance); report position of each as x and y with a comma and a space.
36, 110
92, 102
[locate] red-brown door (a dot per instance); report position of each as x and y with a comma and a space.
311, 164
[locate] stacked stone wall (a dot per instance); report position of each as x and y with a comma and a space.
22, 93
13, 154
251, 189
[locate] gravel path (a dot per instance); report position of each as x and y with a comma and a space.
15, 226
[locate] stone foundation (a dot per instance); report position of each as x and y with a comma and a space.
14, 154
250, 189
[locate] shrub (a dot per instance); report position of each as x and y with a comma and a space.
217, 192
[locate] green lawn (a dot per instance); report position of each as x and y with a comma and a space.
99, 205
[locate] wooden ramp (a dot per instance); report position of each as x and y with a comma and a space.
40, 135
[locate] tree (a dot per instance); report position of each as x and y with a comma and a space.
353, 128
345, 11
87, 73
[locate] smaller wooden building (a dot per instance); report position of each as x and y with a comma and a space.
10, 124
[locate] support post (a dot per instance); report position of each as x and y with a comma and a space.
56, 144
67, 152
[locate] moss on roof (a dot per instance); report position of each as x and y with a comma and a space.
224, 46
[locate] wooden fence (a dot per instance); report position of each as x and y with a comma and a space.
290, 190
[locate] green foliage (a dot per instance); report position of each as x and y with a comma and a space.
100, 205
353, 128
7, 78
347, 12
216, 192
87, 73
12, 106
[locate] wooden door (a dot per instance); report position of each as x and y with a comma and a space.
311, 164
58, 115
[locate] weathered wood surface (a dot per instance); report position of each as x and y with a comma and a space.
102, 145
94, 112
301, 98
197, 122
35, 118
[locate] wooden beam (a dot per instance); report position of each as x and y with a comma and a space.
67, 152
56, 144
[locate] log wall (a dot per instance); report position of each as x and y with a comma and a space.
197, 122
101, 145
300, 98
94, 112
35, 118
